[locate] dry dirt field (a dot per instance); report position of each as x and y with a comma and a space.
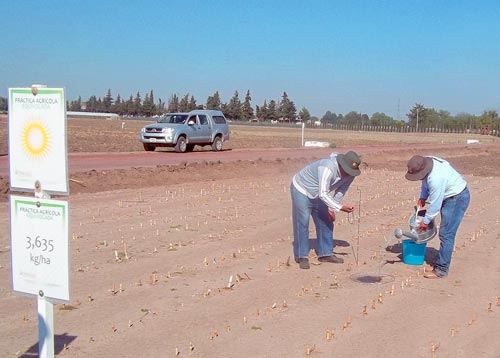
195, 260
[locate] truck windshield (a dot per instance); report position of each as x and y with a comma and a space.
173, 118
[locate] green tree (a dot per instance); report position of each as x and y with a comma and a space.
108, 102
147, 106
381, 119
272, 111
214, 102
130, 106
465, 121
234, 109
492, 114
100, 105
78, 105
137, 104
75, 105
173, 104
304, 115
263, 112
287, 109
192, 104
91, 105
257, 111
445, 120
184, 103
3, 104
247, 110
152, 99
160, 108
431, 120
353, 118
488, 120
329, 117
417, 116
365, 120
118, 105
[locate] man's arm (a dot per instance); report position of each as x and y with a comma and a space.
436, 188
325, 176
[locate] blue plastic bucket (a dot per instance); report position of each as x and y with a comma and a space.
413, 254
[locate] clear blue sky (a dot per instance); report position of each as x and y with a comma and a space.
366, 56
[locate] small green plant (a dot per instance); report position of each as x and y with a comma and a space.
332, 145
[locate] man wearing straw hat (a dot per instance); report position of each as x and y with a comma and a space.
317, 190
446, 192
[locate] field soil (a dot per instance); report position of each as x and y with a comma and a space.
194, 259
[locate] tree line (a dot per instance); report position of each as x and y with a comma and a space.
235, 109
419, 117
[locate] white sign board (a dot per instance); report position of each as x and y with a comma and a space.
314, 143
37, 139
39, 243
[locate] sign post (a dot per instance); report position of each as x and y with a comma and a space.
39, 225
45, 327
303, 126
39, 235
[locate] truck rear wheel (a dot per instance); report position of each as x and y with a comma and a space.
217, 144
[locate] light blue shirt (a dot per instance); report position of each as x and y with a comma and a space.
441, 183
323, 179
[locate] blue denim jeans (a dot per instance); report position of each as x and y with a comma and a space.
452, 213
302, 209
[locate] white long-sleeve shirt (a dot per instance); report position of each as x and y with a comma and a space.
441, 183
323, 179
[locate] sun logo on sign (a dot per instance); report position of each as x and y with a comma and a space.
35, 138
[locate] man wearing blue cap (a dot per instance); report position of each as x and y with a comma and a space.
317, 190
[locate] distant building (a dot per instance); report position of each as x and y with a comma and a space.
93, 115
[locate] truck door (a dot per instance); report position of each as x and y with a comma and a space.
193, 129
205, 129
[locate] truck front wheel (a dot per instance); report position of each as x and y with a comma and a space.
181, 145
149, 147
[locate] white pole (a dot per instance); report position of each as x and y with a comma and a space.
303, 126
45, 327
45, 307
417, 119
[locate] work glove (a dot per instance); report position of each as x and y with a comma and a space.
422, 226
421, 202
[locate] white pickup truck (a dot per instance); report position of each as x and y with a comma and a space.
185, 130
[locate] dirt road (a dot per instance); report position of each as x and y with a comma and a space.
80, 162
